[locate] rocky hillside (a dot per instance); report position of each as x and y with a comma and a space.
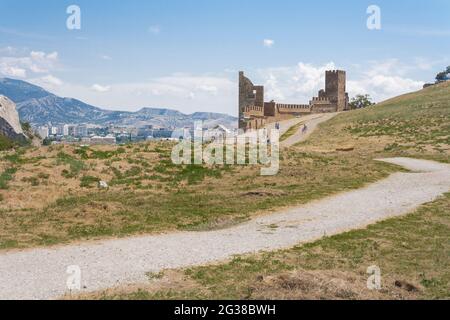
9, 120
39, 107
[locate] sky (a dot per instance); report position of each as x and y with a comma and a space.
186, 55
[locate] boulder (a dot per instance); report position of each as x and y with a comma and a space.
103, 185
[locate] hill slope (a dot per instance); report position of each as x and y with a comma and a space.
39, 107
415, 124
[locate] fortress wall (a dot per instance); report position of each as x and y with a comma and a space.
255, 123
293, 108
249, 95
253, 111
270, 109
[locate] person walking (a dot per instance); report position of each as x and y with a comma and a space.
305, 129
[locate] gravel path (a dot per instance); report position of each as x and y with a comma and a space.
41, 273
311, 122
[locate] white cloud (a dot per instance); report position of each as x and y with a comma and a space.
100, 88
154, 29
385, 79
12, 71
48, 82
268, 43
210, 89
37, 55
296, 84
105, 57
14, 63
53, 56
52, 80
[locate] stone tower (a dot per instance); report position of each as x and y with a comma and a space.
335, 89
249, 95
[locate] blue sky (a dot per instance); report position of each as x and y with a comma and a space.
186, 54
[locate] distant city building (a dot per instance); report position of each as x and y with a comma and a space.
218, 132
43, 132
82, 131
72, 131
109, 139
162, 133
65, 130
145, 131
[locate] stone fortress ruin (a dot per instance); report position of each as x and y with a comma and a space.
254, 113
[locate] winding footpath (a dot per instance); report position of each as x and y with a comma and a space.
311, 122
42, 273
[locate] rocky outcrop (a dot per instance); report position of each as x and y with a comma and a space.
9, 120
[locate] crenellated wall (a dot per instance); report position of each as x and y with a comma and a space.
293, 108
254, 111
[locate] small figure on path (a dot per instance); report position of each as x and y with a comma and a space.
305, 129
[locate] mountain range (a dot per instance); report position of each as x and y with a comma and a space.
40, 107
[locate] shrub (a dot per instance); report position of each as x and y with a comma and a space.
89, 181
6, 177
75, 165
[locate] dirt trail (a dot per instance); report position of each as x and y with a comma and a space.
41, 273
311, 123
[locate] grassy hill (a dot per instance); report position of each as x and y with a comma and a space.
412, 251
415, 124
49, 196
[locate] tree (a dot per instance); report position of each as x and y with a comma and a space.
46, 142
25, 126
361, 101
441, 77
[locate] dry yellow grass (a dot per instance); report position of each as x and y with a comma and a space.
412, 251
53, 195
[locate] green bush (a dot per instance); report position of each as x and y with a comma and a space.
6, 177
89, 181
34, 181
75, 165
6, 143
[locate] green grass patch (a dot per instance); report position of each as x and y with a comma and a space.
75, 165
6, 177
291, 131
89, 181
